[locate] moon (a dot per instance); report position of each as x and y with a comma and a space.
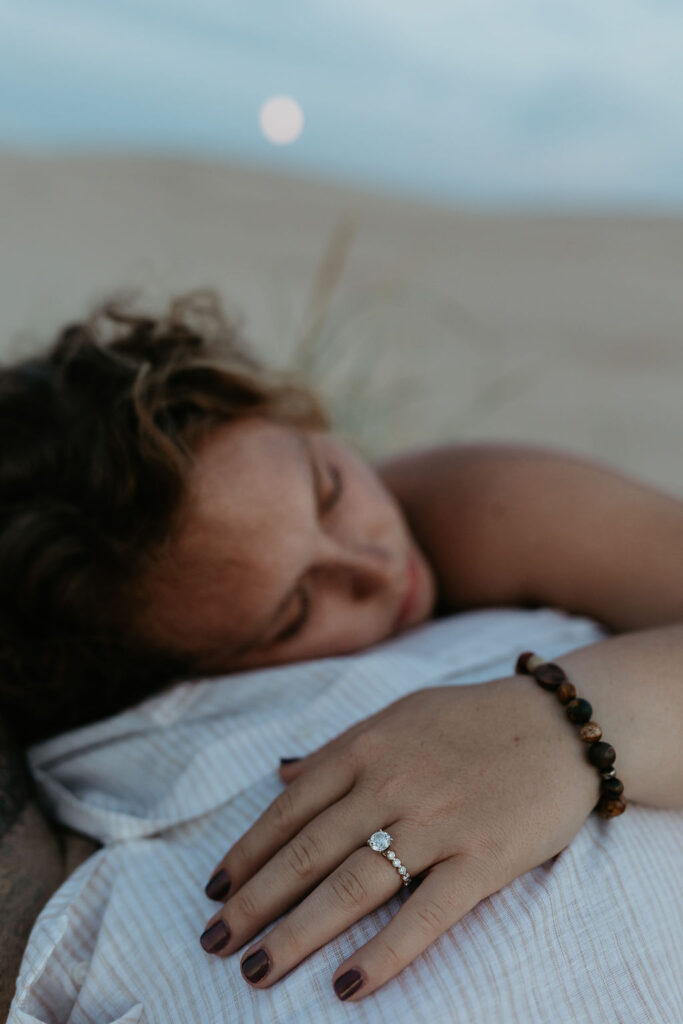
281, 119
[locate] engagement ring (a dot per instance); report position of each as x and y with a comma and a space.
381, 841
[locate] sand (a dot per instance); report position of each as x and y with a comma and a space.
440, 324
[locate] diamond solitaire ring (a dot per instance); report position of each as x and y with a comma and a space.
381, 841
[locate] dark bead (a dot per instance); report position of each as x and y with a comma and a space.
612, 787
578, 711
602, 755
565, 692
520, 667
590, 732
606, 807
549, 676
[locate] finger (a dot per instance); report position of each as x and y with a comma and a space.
291, 873
362, 882
293, 808
290, 771
334, 746
310, 761
449, 890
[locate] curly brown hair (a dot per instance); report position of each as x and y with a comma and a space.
98, 436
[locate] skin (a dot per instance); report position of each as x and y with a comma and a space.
309, 516
525, 787
341, 535
463, 512
340, 527
524, 790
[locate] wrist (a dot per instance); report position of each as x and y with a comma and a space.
632, 682
549, 722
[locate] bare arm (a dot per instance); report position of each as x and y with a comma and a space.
511, 524
517, 524
633, 684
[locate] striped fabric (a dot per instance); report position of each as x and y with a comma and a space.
594, 935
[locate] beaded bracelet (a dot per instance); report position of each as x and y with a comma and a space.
551, 677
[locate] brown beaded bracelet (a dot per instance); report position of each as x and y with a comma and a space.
551, 677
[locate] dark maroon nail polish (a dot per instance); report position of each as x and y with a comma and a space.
215, 937
289, 760
348, 983
256, 966
218, 886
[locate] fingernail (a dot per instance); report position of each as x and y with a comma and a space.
215, 937
218, 886
289, 760
256, 966
348, 983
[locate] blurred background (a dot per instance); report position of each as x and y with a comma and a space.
462, 221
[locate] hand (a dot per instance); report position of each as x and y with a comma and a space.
476, 784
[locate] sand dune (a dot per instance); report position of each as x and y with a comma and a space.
440, 324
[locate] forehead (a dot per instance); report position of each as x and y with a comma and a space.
246, 501
237, 460
246, 484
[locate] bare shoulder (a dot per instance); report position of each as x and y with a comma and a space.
533, 525
460, 466
406, 471
457, 501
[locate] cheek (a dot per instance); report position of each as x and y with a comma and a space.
367, 508
374, 513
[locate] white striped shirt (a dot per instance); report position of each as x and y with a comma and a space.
593, 935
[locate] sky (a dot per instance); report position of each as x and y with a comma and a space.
485, 103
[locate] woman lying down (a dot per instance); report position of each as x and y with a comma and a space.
467, 659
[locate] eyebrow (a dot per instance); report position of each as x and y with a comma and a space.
306, 452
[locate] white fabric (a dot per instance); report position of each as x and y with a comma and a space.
592, 935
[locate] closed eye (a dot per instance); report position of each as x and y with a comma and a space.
301, 619
336, 492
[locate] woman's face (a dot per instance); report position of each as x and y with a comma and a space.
291, 548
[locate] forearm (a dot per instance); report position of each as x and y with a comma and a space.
634, 683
